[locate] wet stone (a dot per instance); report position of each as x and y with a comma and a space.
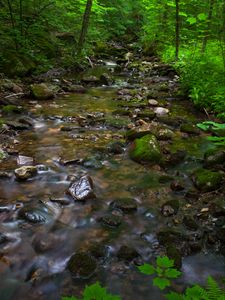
116, 148
167, 236
161, 111
5, 175
3, 238
125, 204
82, 189
17, 125
170, 208
177, 186
31, 215
127, 253
111, 220
25, 172
206, 180
24, 160
98, 250
82, 265
190, 223
190, 129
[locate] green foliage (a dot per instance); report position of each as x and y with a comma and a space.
211, 292
164, 272
94, 292
215, 128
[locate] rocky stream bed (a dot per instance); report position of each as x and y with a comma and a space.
103, 177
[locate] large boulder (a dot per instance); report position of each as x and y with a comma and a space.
206, 180
82, 189
41, 91
145, 149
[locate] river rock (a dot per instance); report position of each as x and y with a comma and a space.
214, 157
31, 215
106, 79
170, 208
189, 128
80, 89
41, 91
3, 238
82, 265
190, 223
145, 149
82, 189
177, 185
127, 253
24, 160
90, 79
161, 111
17, 125
125, 204
136, 133
206, 180
168, 236
116, 147
111, 220
153, 102
165, 134
25, 172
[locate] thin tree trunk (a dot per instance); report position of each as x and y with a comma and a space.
21, 17
12, 23
177, 29
85, 23
209, 19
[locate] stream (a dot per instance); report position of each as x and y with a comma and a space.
75, 135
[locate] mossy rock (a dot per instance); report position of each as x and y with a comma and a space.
146, 149
206, 180
125, 204
189, 128
214, 157
41, 91
12, 109
82, 265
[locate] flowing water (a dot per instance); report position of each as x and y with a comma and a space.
33, 262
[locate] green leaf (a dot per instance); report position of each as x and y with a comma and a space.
147, 269
202, 17
191, 20
172, 273
161, 283
183, 14
195, 292
96, 292
174, 296
164, 262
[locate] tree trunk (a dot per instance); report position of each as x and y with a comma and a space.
85, 23
177, 30
12, 23
209, 19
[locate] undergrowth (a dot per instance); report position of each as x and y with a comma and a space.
163, 272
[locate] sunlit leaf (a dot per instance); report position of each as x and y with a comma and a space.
161, 283
147, 269
164, 262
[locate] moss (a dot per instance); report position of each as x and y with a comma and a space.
41, 91
11, 109
206, 180
146, 149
